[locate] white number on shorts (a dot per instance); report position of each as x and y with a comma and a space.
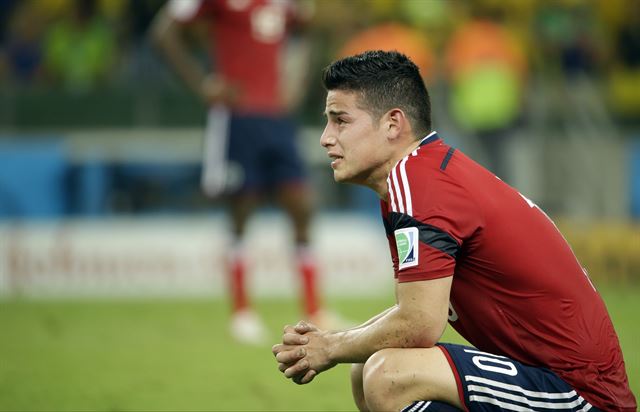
491, 364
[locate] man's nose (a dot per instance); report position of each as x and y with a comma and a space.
327, 139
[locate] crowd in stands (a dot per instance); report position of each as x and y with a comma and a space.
75, 46
71, 45
494, 68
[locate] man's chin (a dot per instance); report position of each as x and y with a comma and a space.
339, 177
348, 178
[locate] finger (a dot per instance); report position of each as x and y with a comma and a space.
297, 379
289, 329
298, 368
303, 327
308, 377
294, 339
277, 348
291, 356
282, 367
303, 379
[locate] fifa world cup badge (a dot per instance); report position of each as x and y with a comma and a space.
407, 244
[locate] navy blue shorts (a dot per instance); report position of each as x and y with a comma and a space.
249, 153
488, 382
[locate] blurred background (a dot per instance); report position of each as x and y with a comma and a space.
101, 149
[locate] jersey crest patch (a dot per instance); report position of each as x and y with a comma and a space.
407, 244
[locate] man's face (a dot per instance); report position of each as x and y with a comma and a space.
353, 139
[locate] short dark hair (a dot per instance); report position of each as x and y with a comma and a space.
384, 79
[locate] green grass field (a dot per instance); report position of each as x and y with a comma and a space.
166, 355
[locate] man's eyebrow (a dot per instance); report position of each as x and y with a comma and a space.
334, 113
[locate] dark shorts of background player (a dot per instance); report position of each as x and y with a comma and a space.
264, 148
488, 382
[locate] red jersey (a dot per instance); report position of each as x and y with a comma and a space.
246, 41
518, 290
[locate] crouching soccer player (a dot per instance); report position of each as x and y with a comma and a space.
467, 249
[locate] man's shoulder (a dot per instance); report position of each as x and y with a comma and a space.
431, 156
427, 167
416, 181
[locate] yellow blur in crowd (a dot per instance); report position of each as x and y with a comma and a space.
85, 55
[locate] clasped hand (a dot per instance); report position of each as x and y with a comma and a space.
302, 354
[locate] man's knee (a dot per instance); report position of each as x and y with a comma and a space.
382, 380
393, 378
357, 386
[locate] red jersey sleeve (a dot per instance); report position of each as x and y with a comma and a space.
428, 219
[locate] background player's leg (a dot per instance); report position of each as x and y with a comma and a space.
245, 188
246, 326
240, 209
295, 199
395, 378
288, 177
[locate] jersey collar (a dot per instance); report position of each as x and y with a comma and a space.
431, 137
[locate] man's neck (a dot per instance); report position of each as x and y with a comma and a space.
378, 181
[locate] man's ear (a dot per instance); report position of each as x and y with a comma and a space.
395, 122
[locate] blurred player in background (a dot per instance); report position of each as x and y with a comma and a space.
249, 148
467, 249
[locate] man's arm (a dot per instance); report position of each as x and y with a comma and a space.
167, 35
375, 318
417, 321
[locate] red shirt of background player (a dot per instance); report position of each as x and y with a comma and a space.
246, 44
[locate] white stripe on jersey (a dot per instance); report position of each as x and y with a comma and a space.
515, 388
392, 198
396, 186
521, 399
393, 184
405, 185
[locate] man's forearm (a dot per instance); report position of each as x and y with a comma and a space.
166, 36
375, 318
417, 321
390, 329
